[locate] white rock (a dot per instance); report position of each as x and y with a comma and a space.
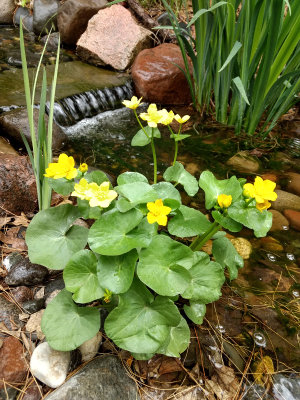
49, 366
90, 348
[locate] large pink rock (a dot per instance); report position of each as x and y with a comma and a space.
113, 38
156, 77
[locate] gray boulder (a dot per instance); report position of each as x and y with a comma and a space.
44, 15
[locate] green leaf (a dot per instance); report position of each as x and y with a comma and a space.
66, 325
214, 187
207, 280
163, 266
140, 139
96, 176
117, 233
168, 193
195, 311
251, 217
130, 177
123, 205
225, 254
179, 137
51, 237
239, 84
177, 341
188, 222
140, 323
88, 212
177, 173
115, 273
137, 192
80, 276
62, 186
226, 222
236, 47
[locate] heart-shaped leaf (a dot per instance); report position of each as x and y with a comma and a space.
66, 325
177, 341
117, 233
179, 137
51, 237
116, 272
214, 187
130, 177
251, 217
195, 311
178, 174
88, 212
226, 255
80, 276
168, 193
62, 186
137, 192
226, 221
140, 139
188, 222
140, 323
163, 266
97, 177
207, 280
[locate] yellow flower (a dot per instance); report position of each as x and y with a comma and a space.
224, 200
167, 117
64, 168
153, 116
101, 195
261, 191
158, 212
183, 119
80, 189
83, 167
133, 103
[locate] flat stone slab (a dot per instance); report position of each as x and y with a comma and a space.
73, 77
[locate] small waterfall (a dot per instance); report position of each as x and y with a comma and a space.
70, 110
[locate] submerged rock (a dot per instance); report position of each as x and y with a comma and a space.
103, 378
26, 273
6, 148
293, 183
156, 77
112, 38
49, 366
286, 200
73, 17
242, 246
294, 218
279, 222
243, 162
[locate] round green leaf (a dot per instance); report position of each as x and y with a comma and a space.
195, 311
80, 276
130, 177
51, 237
188, 222
140, 139
62, 186
226, 221
87, 211
164, 265
117, 233
177, 173
137, 192
177, 341
207, 280
66, 325
97, 177
227, 256
213, 188
168, 193
116, 272
141, 324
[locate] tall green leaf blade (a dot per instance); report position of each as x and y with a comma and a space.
236, 47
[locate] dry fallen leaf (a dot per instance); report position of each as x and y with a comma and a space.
21, 220
4, 221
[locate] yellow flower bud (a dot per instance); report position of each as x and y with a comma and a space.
224, 200
83, 167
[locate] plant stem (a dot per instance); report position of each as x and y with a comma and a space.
154, 158
249, 202
138, 120
199, 241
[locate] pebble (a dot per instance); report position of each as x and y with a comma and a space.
33, 306
243, 247
26, 273
90, 348
21, 294
9, 314
243, 162
34, 324
32, 393
49, 366
293, 183
11, 260
13, 366
103, 378
279, 222
8, 394
57, 284
286, 200
294, 218
270, 244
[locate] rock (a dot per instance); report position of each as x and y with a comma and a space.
33, 306
44, 15
255, 392
112, 38
27, 18
21, 294
12, 260
32, 393
16, 121
270, 176
56, 284
6, 11
6, 148
293, 183
286, 388
9, 314
279, 222
34, 324
294, 218
90, 348
243, 162
286, 200
8, 393
49, 366
26, 273
157, 79
242, 246
17, 185
52, 42
103, 378
13, 366
270, 244
73, 17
